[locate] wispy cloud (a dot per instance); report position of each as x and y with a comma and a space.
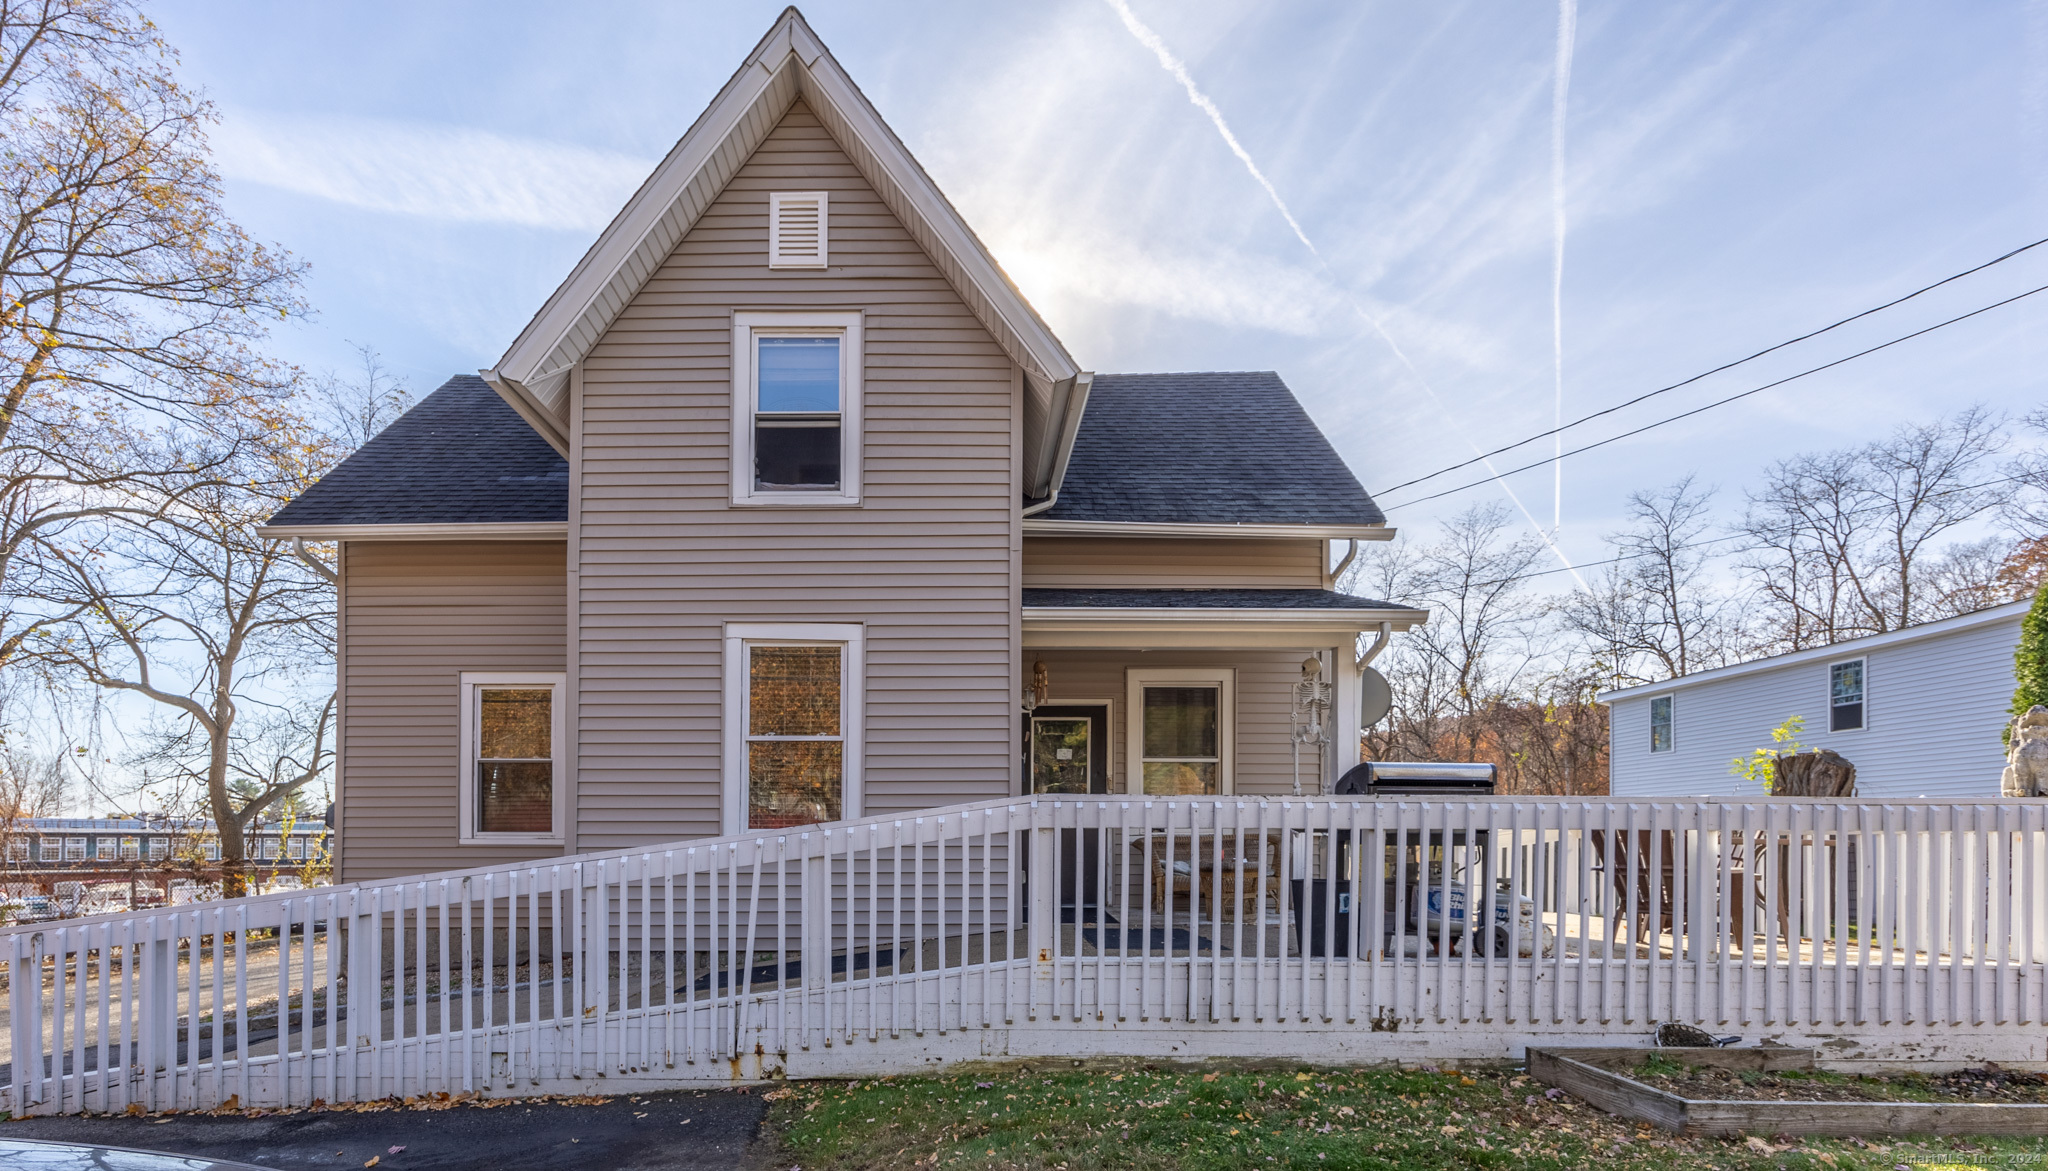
429, 171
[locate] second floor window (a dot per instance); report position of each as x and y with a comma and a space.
17, 851
131, 849
48, 850
103, 849
796, 408
159, 849
1661, 738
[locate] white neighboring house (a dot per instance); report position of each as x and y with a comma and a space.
1918, 711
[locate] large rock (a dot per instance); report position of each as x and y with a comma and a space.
2026, 763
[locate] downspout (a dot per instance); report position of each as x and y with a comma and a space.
312, 562
1350, 554
1378, 644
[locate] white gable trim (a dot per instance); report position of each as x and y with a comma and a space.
789, 63
1853, 648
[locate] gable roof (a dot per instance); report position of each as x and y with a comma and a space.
1848, 648
789, 63
1232, 449
462, 456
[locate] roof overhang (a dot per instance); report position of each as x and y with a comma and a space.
1214, 628
1038, 526
788, 64
1833, 652
538, 530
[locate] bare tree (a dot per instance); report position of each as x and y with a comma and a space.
1655, 613
130, 304
191, 611
1476, 646
1842, 544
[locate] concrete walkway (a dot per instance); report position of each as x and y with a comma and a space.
701, 1131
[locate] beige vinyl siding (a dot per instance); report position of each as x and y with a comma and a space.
1167, 562
1264, 691
415, 615
664, 559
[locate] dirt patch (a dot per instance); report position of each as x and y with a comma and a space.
1668, 1071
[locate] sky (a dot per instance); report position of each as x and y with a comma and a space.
1379, 224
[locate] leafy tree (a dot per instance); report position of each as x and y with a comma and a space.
2030, 661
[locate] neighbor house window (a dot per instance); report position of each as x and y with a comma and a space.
1661, 739
213, 850
74, 849
17, 851
796, 417
793, 724
103, 849
159, 849
511, 752
1845, 696
131, 849
47, 850
298, 849
1180, 731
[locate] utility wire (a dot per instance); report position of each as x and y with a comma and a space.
1719, 369
1723, 538
1725, 401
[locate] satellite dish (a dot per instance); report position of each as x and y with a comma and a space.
1375, 697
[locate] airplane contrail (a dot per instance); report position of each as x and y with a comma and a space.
1561, 84
1179, 70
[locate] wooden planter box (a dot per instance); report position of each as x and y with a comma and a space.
1576, 1071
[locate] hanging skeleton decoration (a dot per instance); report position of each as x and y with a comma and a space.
1311, 713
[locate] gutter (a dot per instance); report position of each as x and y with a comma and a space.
314, 563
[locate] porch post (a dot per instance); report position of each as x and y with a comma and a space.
1345, 733
1044, 929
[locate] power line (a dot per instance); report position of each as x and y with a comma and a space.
1719, 369
1725, 401
1720, 539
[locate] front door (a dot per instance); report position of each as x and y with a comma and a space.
1067, 752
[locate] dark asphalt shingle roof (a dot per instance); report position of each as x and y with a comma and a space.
461, 456
1206, 448
1203, 600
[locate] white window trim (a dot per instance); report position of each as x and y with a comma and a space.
776, 200
1136, 679
465, 768
1651, 711
852, 698
1864, 703
745, 327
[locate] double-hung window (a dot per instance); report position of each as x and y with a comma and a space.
511, 757
103, 849
1845, 696
1179, 731
1661, 724
159, 849
793, 724
47, 850
796, 408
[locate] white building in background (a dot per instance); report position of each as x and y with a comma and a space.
1918, 711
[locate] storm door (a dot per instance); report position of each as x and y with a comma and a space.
1067, 753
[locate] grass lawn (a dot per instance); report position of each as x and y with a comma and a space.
1273, 1118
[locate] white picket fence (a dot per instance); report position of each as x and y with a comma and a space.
1057, 928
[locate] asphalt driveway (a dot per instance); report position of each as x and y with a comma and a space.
687, 1131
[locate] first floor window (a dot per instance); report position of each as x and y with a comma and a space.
1180, 731
511, 747
1660, 724
1845, 696
794, 724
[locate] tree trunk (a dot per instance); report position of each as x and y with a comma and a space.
1822, 774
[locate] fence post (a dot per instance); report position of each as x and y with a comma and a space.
25, 1025
1043, 936
814, 912
365, 990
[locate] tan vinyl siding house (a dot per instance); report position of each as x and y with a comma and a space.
925, 562
749, 531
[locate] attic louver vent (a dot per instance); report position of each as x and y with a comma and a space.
796, 229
